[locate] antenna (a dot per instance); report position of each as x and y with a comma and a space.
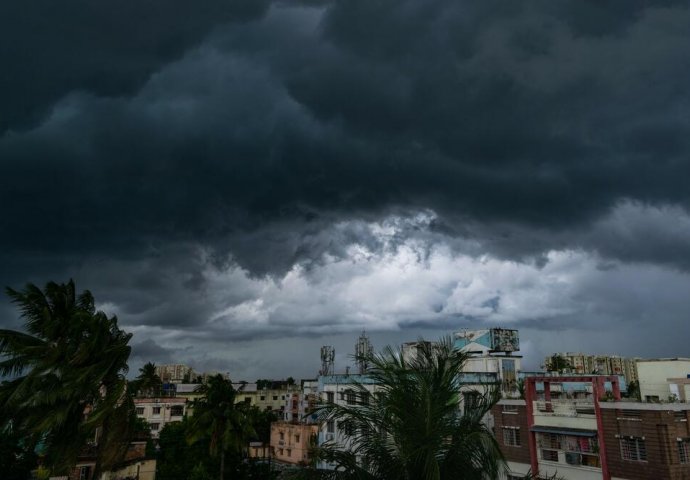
327, 360
363, 350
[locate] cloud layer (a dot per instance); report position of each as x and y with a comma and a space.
258, 170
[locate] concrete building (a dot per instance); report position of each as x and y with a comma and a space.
586, 364
492, 353
660, 379
175, 373
595, 437
292, 442
160, 411
341, 389
265, 399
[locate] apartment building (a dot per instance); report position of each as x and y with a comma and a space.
292, 442
664, 379
586, 364
341, 389
160, 411
175, 373
274, 399
597, 436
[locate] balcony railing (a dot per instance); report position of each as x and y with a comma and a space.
564, 408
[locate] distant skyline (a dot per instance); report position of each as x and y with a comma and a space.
245, 182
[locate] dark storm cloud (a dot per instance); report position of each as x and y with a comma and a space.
540, 115
170, 157
48, 49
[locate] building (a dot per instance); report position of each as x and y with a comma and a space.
663, 379
292, 442
491, 354
175, 373
341, 389
586, 364
594, 436
160, 411
273, 399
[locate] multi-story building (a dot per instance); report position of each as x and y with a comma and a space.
292, 442
160, 411
175, 373
491, 354
341, 389
595, 437
586, 364
264, 399
664, 379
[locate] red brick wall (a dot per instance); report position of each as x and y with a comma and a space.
660, 429
512, 419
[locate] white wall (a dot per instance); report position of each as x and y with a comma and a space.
653, 376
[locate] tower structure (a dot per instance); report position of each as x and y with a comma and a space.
327, 360
363, 351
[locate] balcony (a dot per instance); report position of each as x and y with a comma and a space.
578, 414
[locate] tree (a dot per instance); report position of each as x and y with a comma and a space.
67, 382
218, 419
557, 363
414, 427
148, 383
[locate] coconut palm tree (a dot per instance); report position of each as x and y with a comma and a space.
217, 418
67, 376
414, 426
148, 383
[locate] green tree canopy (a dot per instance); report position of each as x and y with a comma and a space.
67, 376
414, 426
218, 419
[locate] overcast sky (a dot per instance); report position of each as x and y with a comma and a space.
243, 181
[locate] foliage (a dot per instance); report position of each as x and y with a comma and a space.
261, 420
218, 419
147, 383
17, 457
633, 390
557, 363
71, 361
415, 427
176, 458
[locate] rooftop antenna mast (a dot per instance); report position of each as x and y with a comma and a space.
327, 360
363, 351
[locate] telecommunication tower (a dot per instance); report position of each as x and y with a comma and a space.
363, 350
327, 360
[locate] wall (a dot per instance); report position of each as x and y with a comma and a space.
653, 374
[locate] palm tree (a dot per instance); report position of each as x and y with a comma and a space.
67, 376
148, 383
414, 427
217, 418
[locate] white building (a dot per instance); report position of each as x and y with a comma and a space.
660, 379
160, 411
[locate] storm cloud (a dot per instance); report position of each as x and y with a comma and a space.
227, 177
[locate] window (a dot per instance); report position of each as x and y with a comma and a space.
275, 397
155, 427
683, 450
511, 436
140, 410
84, 473
282, 397
550, 455
263, 397
351, 397
156, 410
329, 397
471, 401
510, 408
296, 438
365, 398
282, 436
280, 451
330, 426
633, 448
177, 411
289, 452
